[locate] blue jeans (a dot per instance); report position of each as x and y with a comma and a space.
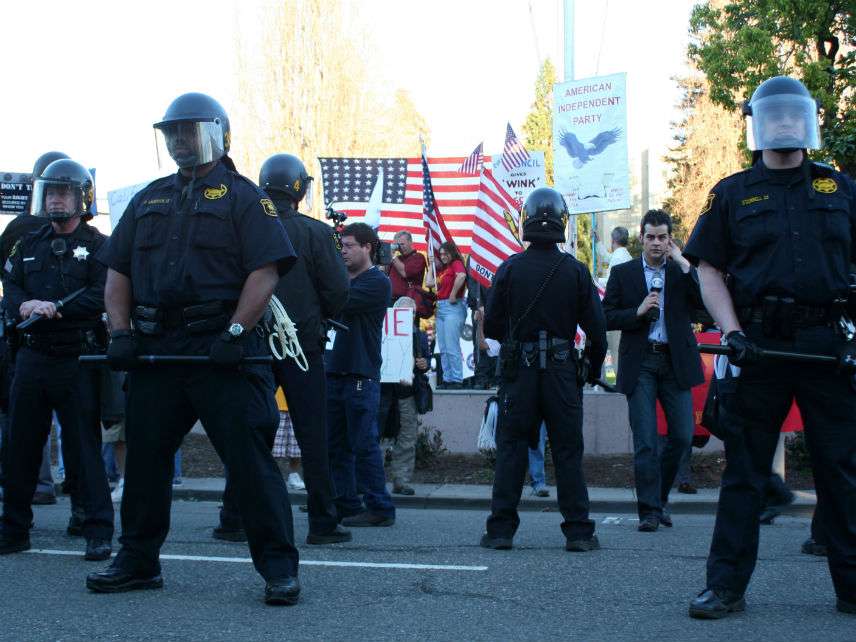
450, 321
356, 460
655, 471
536, 460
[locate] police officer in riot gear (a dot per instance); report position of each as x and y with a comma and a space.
314, 290
44, 268
193, 262
773, 246
537, 299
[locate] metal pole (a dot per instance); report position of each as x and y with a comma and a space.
568, 6
645, 186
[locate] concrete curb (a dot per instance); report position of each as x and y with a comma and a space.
477, 497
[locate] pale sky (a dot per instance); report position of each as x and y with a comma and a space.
90, 77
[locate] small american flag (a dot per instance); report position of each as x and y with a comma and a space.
495, 233
435, 229
514, 154
472, 166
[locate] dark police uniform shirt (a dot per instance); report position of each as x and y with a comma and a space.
787, 233
179, 252
34, 271
357, 351
568, 300
316, 288
18, 227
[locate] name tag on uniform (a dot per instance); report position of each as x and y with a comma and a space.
331, 338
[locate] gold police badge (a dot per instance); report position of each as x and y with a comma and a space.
213, 193
824, 185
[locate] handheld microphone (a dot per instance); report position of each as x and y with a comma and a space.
656, 286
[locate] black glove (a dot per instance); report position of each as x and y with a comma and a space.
122, 351
225, 351
743, 351
847, 358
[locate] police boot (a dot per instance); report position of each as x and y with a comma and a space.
13, 544
715, 605
496, 543
282, 592
75, 522
811, 547
115, 579
97, 550
846, 607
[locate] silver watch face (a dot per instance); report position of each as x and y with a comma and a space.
236, 329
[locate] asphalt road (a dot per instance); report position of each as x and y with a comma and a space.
636, 588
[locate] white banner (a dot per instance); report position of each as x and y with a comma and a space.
520, 182
118, 200
396, 348
590, 143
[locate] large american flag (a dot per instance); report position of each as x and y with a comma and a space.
495, 235
349, 182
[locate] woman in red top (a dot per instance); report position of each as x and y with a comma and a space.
451, 313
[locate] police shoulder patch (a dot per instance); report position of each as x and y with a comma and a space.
708, 203
268, 207
213, 193
14, 248
824, 185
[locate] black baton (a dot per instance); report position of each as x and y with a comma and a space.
26, 323
713, 348
172, 360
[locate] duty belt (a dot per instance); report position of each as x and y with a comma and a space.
546, 348
780, 316
196, 319
58, 344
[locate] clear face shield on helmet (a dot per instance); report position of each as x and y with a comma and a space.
308, 197
57, 200
190, 143
784, 121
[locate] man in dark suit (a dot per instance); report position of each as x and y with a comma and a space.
651, 300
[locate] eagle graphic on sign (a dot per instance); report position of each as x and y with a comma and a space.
582, 153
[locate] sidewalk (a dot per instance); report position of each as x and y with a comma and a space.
470, 496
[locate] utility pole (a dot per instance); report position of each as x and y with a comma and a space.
569, 75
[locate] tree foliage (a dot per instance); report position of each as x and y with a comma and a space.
304, 87
740, 43
707, 148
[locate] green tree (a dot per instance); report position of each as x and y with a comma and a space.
538, 126
740, 43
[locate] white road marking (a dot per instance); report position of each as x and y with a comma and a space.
247, 560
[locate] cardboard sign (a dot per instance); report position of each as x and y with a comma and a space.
396, 346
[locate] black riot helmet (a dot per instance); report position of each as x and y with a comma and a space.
781, 116
44, 160
195, 130
41, 162
544, 216
285, 174
64, 190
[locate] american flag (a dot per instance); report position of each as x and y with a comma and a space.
348, 183
472, 166
514, 154
431, 218
495, 235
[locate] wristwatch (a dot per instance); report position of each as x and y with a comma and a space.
235, 332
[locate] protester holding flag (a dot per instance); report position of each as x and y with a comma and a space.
451, 312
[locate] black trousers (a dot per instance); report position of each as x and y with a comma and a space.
42, 384
550, 395
238, 411
753, 415
306, 393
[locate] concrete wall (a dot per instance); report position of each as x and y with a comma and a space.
606, 429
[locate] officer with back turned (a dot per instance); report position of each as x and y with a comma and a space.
44, 268
773, 248
314, 290
537, 299
193, 261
